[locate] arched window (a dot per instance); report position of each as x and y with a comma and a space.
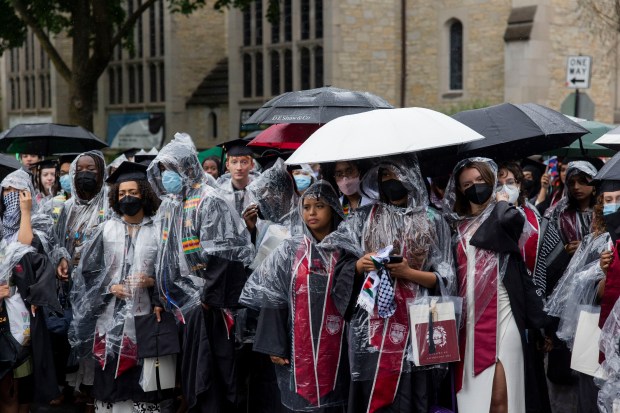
288, 70
259, 73
318, 66
456, 55
212, 128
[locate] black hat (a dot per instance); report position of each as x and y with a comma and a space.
606, 185
533, 166
144, 159
237, 147
67, 157
47, 163
128, 171
130, 152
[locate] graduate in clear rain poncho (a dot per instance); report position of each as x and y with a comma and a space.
591, 278
500, 301
26, 287
80, 216
204, 250
115, 282
379, 345
302, 307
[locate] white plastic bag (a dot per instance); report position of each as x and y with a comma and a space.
585, 354
19, 318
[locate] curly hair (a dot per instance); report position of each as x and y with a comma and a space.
598, 222
150, 201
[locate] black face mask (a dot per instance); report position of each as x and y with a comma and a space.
86, 181
394, 189
479, 193
612, 224
130, 205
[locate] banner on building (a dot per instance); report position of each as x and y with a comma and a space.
135, 130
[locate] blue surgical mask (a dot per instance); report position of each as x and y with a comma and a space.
173, 184
65, 183
302, 182
610, 208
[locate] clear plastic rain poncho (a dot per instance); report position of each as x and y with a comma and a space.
609, 345
197, 222
41, 223
296, 284
578, 285
422, 237
274, 193
80, 217
103, 325
572, 224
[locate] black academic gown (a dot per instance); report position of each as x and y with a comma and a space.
500, 232
35, 279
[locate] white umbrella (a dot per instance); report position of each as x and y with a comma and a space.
610, 140
382, 133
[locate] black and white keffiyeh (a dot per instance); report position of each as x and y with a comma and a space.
12, 214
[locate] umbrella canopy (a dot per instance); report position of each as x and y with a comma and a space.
381, 133
8, 164
285, 136
610, 139
610, 171
48, 139
585, 145
316, 106
515, 131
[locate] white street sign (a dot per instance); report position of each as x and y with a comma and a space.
578, 70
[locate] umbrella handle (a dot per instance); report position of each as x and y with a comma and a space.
583, 151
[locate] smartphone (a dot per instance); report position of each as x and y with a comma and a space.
395, 259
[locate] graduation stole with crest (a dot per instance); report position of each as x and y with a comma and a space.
315, 362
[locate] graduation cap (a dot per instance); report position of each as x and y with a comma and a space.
237, 147
46, 164
533, 166
131, 152
128, 171
67, 157
145, 159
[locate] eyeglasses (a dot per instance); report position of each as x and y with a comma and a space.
347, 173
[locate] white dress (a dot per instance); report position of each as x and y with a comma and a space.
475, 395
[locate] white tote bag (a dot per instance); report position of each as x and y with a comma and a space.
585, 351
167, 373
19, 318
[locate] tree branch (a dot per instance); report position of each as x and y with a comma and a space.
46, 43
130, 22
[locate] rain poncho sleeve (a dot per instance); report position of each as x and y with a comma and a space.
302, 305
578, 285
609, 345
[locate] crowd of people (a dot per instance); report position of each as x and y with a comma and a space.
158, 283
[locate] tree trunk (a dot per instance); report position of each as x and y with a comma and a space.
81, 105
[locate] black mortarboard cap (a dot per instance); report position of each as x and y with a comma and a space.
144, 159
67, 157
606, 185
532, 165
130, 152
47, 163
128, 171
237, 147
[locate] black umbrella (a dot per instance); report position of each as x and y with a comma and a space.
610, 171
515, 131
48, 139
316, 106
8, 164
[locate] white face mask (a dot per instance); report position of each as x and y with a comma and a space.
512, 191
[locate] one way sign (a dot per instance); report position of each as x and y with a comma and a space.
578, 69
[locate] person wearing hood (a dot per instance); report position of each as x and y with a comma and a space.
79, 218
114, 283
585, 282
27, 371
200, 271
500, 300
383, 380
301, 304
303, 177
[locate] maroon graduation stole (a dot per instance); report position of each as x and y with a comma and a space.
390, 336
485, 329
315, 368
569, 226
530, 249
